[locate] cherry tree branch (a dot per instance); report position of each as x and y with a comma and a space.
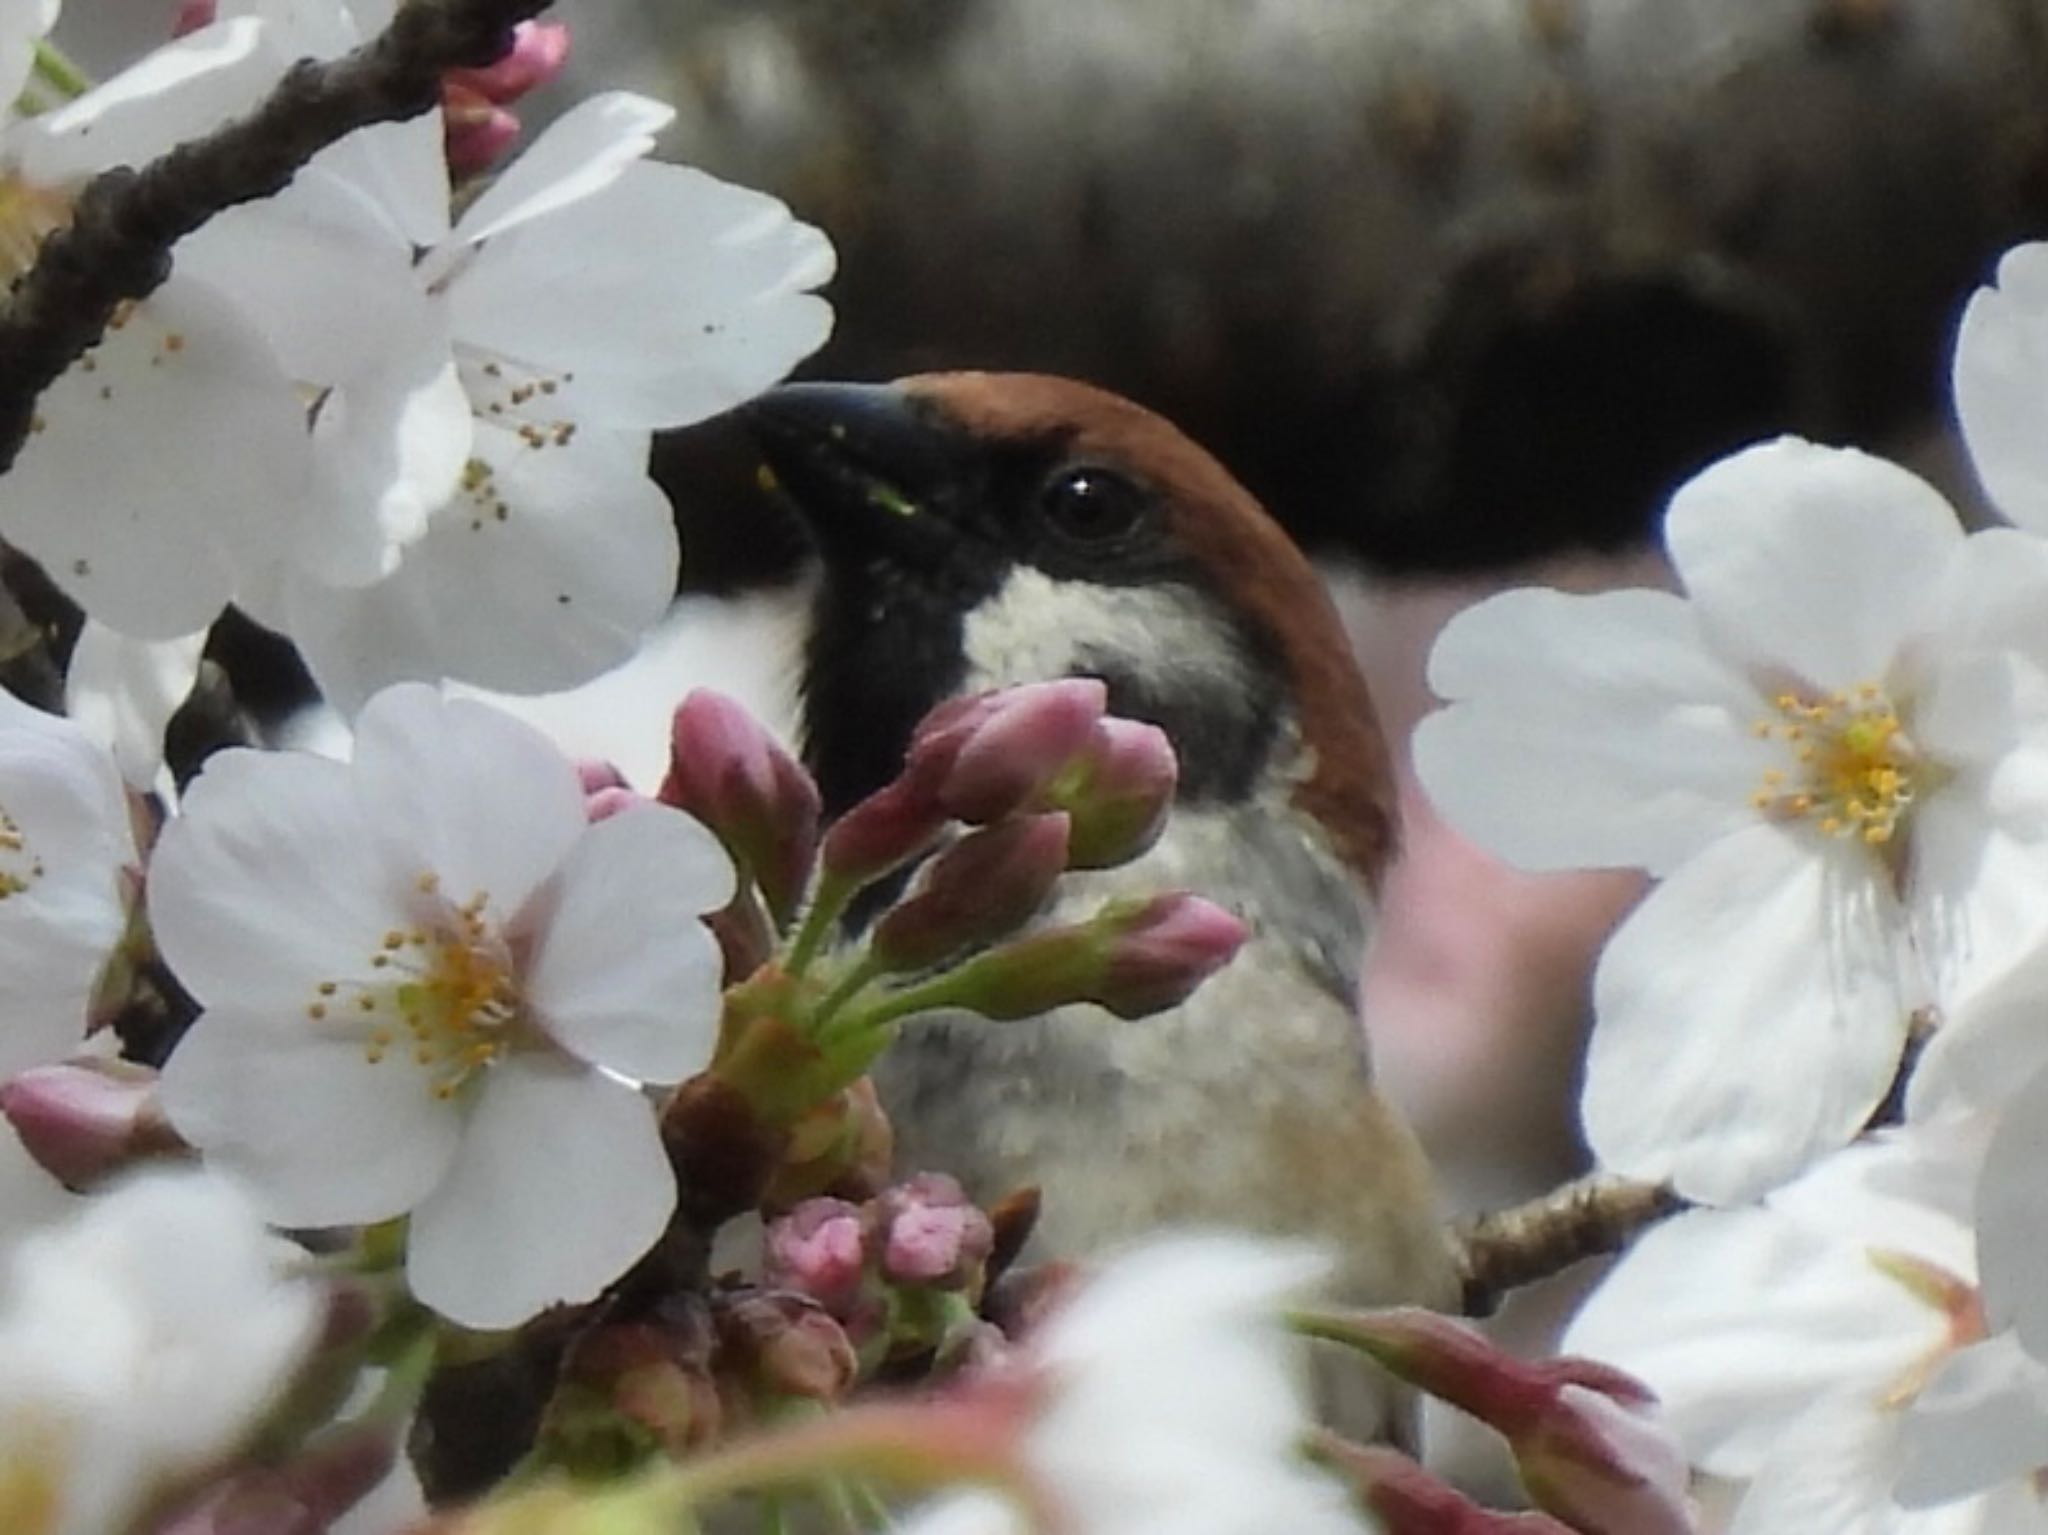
118, 244
1586, 1218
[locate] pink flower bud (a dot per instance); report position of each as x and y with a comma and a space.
86, 1120
1410, 1501
1133, 957
994, 754
785, 1345
1585, 1435
538, 51
932, 1234
597, 775
881, 833
477, 132
985, 886
1118, 791
820, 1249
192, 15
734, 777
311, 1489
1164, 949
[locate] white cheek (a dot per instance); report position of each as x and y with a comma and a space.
1036, 627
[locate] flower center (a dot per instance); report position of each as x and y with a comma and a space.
19, 866
1855, 770
452, 1004
27, 214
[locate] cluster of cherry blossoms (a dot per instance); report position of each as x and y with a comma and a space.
1827, 1022
322, 1076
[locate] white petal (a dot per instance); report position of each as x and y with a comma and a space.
466, 792
720, 318
23, 23
624, 974
561, 588
1740, 1319
579, 153
56, 932
123, 692
1748, 1017
2012, 1217
1817, 560
559, 1186
1982, 1420
1832, 1472
1978, 894
270, 882
176, 92
1588, 731
2001, 377
299, 1113
152, 549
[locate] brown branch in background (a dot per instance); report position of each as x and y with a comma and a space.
1586, 1218
119, 242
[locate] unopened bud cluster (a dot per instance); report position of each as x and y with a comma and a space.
1000, 795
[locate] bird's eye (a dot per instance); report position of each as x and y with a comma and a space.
1092, 505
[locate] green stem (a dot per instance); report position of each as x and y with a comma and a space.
943, 990
844, 990
826, 908
57, 71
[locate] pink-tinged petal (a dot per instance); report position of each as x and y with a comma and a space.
271, 882
2001, 377
624, 974
578, 154
123, 692
1981, 1420
321, 1135
154, 551
560, 588
1815, 560
1588, 731
720, 318
467, 793
1761, 949
559, 1186
174, 93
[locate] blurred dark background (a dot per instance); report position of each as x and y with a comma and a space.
1450, 283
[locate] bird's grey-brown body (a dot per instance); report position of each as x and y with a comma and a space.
1002, 529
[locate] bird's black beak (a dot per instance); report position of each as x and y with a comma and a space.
867, 466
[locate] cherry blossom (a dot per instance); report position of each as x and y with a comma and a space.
67, 880
429, 985
140, 1342
1828, 749
1788, 1340
508, 534
1174, 1401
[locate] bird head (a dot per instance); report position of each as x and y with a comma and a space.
983, 529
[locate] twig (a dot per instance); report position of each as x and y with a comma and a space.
118, 244
1585, 1218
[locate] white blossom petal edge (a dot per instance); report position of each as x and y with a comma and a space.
1825, 750
140, 1341
413, 1006
67, 880
1175, 1402
1787, 1341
